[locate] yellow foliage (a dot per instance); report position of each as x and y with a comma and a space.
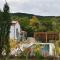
37, 48
13, 43
34, 20
57, 47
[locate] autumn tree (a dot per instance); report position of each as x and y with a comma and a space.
36, 24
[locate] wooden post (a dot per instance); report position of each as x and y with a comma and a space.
46, 37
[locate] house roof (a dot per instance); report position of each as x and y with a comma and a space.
14, 22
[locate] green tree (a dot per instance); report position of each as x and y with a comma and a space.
1, 41
24, 22
6, 28
55, 24
47, 24
37, 51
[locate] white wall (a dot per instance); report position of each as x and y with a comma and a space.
13, 28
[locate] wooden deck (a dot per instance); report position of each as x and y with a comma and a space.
46, 36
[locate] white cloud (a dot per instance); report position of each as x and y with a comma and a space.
1, 4
17, 1
38, 7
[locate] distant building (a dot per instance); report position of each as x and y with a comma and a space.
23, 35
15, 30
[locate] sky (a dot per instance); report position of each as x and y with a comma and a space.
37, 7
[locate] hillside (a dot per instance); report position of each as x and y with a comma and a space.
29, 15
32, 23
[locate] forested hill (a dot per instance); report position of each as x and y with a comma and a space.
29, 15
32, 23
